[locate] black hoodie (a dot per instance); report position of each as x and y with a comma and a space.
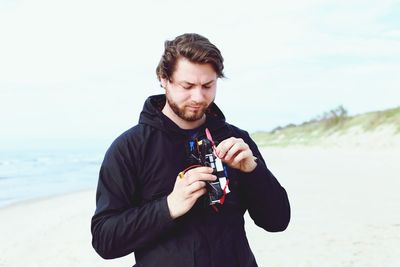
139, 171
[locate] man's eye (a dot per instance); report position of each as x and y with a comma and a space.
187, 86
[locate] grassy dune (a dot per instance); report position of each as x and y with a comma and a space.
336, 128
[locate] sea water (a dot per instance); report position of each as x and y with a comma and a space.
37, 173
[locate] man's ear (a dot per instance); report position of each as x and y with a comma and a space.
164, 82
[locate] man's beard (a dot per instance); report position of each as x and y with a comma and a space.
186, 115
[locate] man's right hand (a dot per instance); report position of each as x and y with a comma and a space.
188, 189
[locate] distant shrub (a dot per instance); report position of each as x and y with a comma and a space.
277, 129
339, 112
333, 117
329, 119
378, 118
291, 125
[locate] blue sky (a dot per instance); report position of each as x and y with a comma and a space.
82, 69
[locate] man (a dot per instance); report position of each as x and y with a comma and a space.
152, 201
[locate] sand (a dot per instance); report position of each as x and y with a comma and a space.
345, 212
51, 232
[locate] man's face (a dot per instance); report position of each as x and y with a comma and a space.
191, 90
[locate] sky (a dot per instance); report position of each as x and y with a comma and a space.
82, 69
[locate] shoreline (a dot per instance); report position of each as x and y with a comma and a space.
265, 150
33, 200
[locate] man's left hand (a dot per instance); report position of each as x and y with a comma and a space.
237, 154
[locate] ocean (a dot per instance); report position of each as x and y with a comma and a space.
30, 174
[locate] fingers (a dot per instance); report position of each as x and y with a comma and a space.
237, 154
241, 156
230, 147
202, 170
198, 193
235, 150
199, 174
188, 189
193, 190
196, 186
194, 181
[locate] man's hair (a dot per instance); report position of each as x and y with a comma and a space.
193, 47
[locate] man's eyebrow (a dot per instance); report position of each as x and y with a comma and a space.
207, 83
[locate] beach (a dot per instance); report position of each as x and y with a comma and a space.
345, 208
345, 212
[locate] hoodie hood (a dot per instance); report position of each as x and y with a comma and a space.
152, 115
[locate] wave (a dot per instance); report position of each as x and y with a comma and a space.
42, 173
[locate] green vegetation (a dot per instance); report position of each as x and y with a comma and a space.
336, 121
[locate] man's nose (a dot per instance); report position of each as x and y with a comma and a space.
197, 94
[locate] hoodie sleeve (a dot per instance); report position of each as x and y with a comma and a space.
267, 201
119, 226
